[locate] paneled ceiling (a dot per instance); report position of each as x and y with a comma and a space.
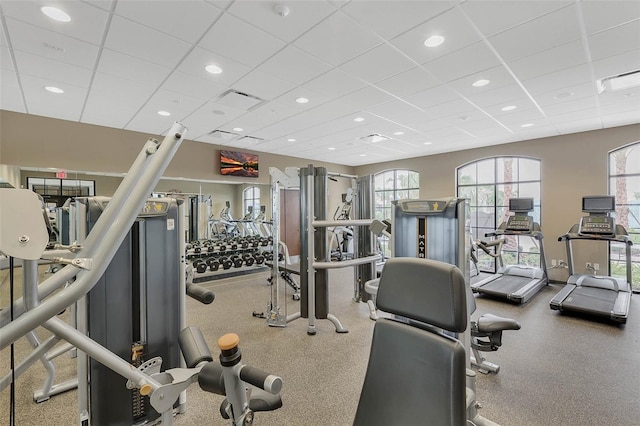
375, 92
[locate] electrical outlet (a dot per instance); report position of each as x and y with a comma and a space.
553, 262
596, 266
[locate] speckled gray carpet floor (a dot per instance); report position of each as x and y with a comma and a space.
556, 370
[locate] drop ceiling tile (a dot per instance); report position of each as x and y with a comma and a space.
315, 99
566, 94
51, 45
501, 96
65, 106
337, 39
408, 82
111, 62
263, 85
433, 96
377, 64
6, 63
608, 108
11, 99
294, 66
242, 42
178, 104
190, 85
621, 118
397, 111
145, 43
558, 80
602, 15
580, 125
446, 109
3, 39
114, 100
148, 120
301, 17
555, 59
498, 77
335, 83
620, 96
195, 62
451, 24
516, 118
570, 116
102, 4
87, 22
365, 98
618, 64
466, 61
608, 43
390, 18
484, 14
548, 31
208, 118
47, 69
185, 20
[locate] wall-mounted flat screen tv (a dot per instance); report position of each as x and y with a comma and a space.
233, 163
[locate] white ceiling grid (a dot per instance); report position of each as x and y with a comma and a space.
119, 62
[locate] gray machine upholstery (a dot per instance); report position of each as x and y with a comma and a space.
416, 374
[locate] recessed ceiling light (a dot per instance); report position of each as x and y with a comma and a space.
331, 149
480, 83
218, 112
509, 108
398, 133
302, 100
434, 40
358, 119
527, 125
164, 113
55, 13
363, 155
291, 140
53, 89
238, 129
427, 143
213, 69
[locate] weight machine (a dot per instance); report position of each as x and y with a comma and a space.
23, 235
315, 251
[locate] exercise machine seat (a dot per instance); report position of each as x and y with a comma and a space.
488, 323
416, 373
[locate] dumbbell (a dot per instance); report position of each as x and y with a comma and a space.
258, 258
248, 259
200, 266
213, 263
237, 261
226, 263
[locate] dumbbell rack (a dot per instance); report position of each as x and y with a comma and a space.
229, 257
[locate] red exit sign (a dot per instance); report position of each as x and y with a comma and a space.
62, 174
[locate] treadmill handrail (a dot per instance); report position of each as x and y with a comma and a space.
500, 232
596, 237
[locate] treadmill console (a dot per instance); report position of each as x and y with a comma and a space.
520, 223
598, 222
597, 225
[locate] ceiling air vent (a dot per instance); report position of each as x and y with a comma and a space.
238, 100
221, 134
374, 137
250, 139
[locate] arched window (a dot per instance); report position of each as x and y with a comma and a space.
624, 183
488, 184
251, 198
393, 185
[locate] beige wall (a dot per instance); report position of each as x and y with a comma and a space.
10, 174
572, 166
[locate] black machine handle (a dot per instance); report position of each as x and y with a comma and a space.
261, 379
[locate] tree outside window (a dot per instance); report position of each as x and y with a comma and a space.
488, 185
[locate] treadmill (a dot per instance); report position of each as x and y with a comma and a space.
597, 295
516, 283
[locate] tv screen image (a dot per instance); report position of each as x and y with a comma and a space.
233, 163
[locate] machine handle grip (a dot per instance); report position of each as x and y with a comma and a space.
261, 379
194, 347
201, 294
